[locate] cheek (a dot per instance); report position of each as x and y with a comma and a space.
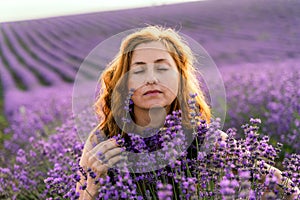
137, 95
172, 83
135, 82
131, 84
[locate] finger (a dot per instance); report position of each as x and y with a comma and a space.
85, 155
98, 150
100, 169
98, 153
93, 161
85, 160
88, 146
104, 146
111, 162
111, 153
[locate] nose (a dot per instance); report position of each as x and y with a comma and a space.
151, 78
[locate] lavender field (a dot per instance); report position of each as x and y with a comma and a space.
255, 45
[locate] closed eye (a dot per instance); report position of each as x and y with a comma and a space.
138, 72
162, 69
138, 69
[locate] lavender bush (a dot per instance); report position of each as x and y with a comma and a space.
49, 167
258, 90
24, 158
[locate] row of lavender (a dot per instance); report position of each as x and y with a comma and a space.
49, 51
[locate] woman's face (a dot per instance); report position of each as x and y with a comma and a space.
153, 75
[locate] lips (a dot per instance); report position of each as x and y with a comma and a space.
152, 92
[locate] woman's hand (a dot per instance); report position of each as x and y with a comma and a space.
103, 156
98, 159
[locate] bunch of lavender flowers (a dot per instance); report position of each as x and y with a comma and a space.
215, 168
146, 183
120, 186
216, 162
291, 165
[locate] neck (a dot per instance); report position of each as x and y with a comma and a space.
150, 118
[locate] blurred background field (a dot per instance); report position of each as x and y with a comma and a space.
255, 44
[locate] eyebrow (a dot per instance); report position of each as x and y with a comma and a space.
160, 60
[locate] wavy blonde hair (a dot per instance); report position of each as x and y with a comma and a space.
120, 65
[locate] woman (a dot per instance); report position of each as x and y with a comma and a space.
158, 65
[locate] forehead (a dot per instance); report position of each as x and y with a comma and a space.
150, 52
151, 45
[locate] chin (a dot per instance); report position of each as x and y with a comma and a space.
152, 106
156, 106
157, 103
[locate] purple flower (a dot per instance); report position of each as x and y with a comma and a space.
164, 191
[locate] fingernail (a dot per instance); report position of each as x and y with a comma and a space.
101, 157
119, 141
104, 161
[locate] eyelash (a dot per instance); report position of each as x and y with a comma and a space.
160, 69
137, 72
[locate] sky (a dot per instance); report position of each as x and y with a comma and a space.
15, 10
